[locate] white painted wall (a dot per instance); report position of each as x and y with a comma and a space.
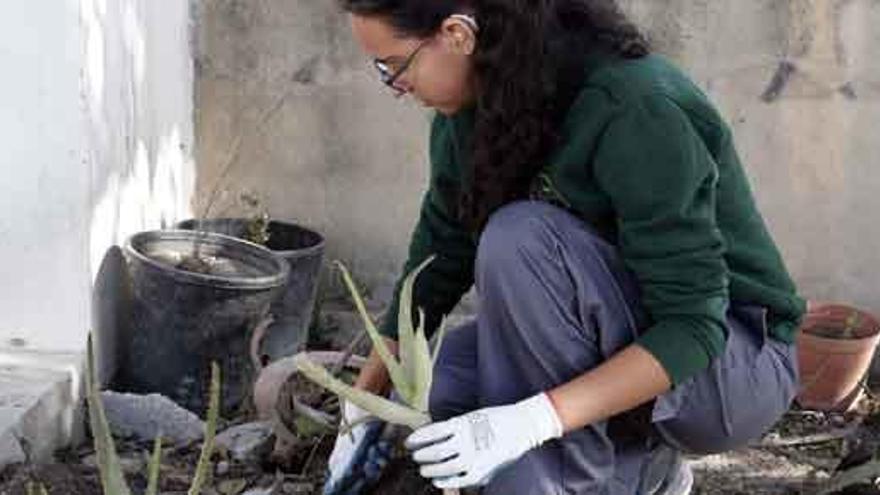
96, 122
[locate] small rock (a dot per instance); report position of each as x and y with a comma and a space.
129, 464
10, 449
261, 491
231, 487
299, 488
222, 468
147, 416
249, 442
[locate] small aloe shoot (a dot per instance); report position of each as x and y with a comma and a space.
862, 474
411, 375
36, 490
204, 464
112, 476
153, 468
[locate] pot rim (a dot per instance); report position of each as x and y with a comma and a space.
831, 345
263, 282
828, 315
286, 253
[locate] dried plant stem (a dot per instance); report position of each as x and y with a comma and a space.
234, 152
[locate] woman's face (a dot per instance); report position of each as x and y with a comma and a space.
436, 70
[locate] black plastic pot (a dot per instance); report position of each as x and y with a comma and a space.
292, 310
181, 320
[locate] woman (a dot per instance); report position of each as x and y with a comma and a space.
632, 303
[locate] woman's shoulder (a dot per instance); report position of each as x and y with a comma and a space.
631, 78
612, 84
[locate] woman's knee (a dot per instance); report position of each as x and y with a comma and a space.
524, 231
512, 231
736, 408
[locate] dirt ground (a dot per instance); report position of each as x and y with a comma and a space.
795, 458
800, 454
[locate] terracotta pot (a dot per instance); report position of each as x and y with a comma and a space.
835, 346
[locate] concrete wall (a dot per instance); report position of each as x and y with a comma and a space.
799, 81
96, 119
322, 143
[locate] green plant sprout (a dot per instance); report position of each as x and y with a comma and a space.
411, 375
112, 475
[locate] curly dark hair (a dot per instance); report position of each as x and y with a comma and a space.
528, 64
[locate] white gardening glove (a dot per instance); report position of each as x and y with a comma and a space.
470, 449
358, 456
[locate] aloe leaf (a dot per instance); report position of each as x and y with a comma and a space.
112, 477
406, 336
203, 466
441, 334
423, 369
865, 473
39, 490
346, 428
394, 369
375, 405
153, 468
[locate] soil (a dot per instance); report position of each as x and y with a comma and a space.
58, 479
801, 453
194, 264
73, 474
796, 457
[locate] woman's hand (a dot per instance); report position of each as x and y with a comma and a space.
470, 449
360, 454
374, 376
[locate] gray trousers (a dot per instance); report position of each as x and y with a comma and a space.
555, 302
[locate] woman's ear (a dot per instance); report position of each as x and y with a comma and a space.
458, 36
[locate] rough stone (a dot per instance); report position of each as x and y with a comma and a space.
130, 464
222, 468
147, 416
299, 488
10, 450
271, 490
248, 442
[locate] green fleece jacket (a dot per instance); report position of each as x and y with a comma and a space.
647, 161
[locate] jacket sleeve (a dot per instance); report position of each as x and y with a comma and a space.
443, 282
661, 179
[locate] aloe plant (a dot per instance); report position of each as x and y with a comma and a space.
112, 476
862, 474
36, 489
411, 375
153, 468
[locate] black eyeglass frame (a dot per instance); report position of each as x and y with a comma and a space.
389, 78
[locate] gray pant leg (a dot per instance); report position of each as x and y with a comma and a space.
556, 302
742, 394
455, 388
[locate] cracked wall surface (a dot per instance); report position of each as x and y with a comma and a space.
799, 81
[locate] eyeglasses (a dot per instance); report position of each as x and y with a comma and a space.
389, 76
